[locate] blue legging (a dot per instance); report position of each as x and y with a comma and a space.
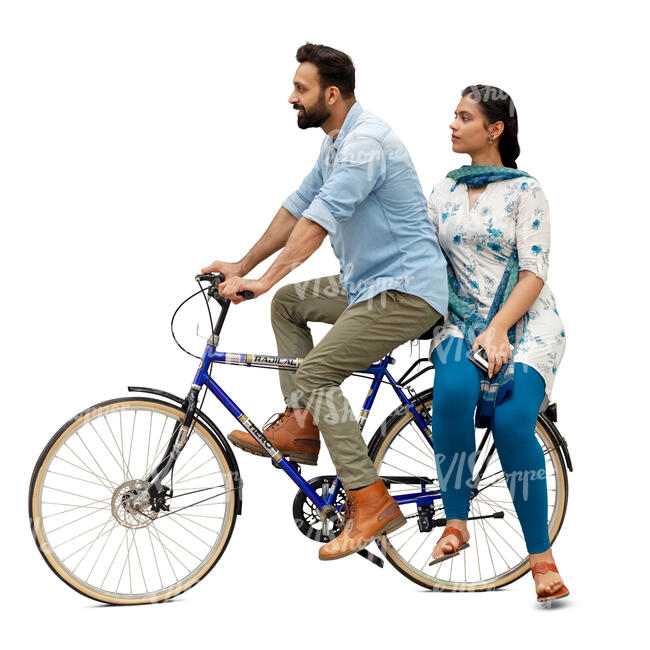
455, 396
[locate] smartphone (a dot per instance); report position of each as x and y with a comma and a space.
480, 358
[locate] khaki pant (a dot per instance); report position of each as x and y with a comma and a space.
361, 335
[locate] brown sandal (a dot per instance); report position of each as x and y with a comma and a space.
545, 567
450, 530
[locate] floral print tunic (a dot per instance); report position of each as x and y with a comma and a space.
478, 242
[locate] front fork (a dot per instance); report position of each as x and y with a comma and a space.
157, 493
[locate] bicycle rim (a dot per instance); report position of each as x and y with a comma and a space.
81, 509
497, 554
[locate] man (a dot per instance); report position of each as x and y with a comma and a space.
364, 192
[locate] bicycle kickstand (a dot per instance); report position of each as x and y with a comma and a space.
377, 561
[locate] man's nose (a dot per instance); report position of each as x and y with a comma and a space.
293, 99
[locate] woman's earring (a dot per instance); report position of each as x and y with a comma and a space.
491, 139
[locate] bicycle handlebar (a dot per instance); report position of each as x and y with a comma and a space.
216, 279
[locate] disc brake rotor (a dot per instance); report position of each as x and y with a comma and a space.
123, 509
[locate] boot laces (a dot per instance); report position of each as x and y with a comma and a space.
279, 418
349, 510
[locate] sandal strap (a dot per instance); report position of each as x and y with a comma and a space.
450, 530
543, 567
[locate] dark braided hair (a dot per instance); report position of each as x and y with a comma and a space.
497, 106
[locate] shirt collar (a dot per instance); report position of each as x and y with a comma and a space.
352, 116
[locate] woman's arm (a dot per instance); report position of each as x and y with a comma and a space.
533, 237
495, 338
521, 299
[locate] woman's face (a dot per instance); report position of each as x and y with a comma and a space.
469, 129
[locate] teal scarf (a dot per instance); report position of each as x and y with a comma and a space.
463, 310
481, 175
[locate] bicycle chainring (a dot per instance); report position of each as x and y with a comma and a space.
309, 519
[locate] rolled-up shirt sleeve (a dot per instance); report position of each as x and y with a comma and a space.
359, 167
299, 201
533, 231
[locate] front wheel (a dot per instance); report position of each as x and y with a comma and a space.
93, 530
497, 554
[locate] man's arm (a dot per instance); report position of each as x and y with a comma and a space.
273, 239
304, 240
278, 232
361, 166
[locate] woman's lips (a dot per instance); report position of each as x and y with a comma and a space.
454, 138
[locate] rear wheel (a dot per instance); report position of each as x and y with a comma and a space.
93, 532
497, 554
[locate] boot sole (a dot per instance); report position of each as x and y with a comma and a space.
295, 456
391, 526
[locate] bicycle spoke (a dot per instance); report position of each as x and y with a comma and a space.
87, 469
171, 539
76, 478
74, 507
397, 451
182, 479
155, 557
78, 434
426, 448
101, 550
125, 470
137, 552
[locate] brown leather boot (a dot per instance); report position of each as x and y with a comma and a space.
292, 432
369, 512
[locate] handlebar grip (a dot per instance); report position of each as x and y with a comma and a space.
246, 293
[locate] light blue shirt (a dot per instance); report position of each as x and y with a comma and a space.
365, 192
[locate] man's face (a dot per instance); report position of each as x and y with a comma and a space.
308, 98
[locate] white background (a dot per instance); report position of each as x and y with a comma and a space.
142, 140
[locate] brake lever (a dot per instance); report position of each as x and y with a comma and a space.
210, 277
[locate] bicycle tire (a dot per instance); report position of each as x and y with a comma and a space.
386, 433
36, 515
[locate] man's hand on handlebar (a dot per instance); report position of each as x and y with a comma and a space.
234, 284
229, 269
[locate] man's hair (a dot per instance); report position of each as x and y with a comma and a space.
334, 67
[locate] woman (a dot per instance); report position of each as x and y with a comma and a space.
492, 223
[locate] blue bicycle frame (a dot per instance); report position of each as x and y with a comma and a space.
378, 371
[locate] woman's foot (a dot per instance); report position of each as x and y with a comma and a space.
545, 583
449, 542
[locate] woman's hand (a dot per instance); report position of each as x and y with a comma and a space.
494, 340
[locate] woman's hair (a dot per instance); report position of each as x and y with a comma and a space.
497, 106
334, 67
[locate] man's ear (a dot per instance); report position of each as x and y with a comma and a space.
332, 94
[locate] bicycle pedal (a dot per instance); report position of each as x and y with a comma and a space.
293, 464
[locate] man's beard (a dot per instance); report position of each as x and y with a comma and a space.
316, 115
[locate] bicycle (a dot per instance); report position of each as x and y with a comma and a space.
134, 522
